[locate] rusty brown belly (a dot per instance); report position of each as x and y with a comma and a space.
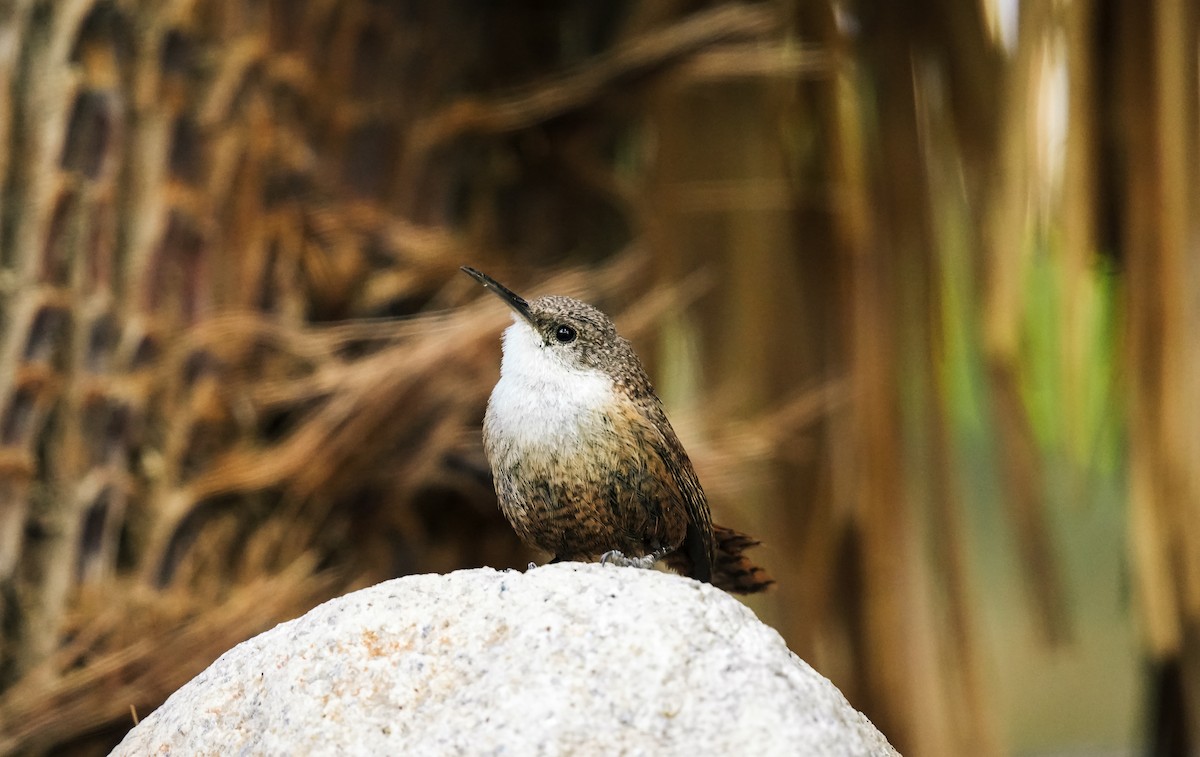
597, 489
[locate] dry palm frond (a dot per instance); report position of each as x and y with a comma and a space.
132, 647
636, 58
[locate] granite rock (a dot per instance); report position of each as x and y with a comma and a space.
565, 659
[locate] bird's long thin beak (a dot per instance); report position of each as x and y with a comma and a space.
514, 300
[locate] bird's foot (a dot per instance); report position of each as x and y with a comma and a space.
532, 565
617, 557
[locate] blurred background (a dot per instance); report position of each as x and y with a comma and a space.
916, 281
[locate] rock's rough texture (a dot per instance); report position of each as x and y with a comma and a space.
566, 659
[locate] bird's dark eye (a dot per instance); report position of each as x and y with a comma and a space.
564, 333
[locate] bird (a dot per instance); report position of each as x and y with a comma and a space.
585, 463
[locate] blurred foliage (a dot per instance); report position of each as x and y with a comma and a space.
916, 281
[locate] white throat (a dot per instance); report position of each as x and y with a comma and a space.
543, 400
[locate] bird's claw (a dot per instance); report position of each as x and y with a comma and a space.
617, 557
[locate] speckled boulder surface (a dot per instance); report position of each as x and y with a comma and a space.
566, 659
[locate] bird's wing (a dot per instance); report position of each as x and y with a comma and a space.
698, 544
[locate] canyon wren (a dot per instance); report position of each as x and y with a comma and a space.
584, 460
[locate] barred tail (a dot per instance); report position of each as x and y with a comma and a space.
732, 571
